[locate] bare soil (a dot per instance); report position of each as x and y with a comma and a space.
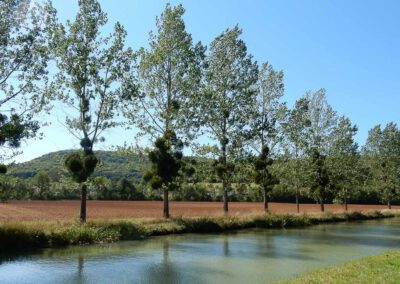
66, 210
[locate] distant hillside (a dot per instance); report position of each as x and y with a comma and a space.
112, 165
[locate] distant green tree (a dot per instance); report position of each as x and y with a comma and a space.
382, 152
42, 182
102, 187
293, 168
166, 161
319, 177
343, 161
323, 122
227, 100
128, 191
92, 74
263, 175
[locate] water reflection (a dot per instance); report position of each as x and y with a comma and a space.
226, 246
162, 271
80, 277
254, 256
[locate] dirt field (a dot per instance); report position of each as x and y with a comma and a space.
69, 210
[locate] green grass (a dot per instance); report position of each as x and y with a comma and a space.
23, 235
384, 268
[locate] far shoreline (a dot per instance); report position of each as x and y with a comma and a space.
17, 236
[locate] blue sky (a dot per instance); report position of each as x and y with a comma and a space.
350, 48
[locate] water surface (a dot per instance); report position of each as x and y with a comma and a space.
252, 256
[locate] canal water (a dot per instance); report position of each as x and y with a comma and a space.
251, 256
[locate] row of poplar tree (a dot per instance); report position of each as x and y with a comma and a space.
176, 93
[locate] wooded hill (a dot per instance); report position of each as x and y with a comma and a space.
113, 165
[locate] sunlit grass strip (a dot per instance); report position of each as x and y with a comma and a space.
23, 235
384, 268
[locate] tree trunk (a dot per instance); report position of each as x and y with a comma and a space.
166, 204
297, 202
225, 197
389, 205
345, 204
322, 205
224, 181
83, 202
265, 200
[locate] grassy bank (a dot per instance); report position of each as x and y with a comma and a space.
24, 235
384, 268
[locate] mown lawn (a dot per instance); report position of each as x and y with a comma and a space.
384, 268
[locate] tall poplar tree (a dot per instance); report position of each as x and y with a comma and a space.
92, 73
169, 73
343, 160
296, 130
268, 112
323, 121
228, 97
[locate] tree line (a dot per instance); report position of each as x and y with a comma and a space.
179, 93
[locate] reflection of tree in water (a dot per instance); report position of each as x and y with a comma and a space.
226, 245
80, 276
163, 272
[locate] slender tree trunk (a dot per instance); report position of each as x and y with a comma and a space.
389, 205
166, 204
225, 196
297, 202
266, 200
83, 202
345, 204
322, 205
224, 181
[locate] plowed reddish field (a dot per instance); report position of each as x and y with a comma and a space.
68, 210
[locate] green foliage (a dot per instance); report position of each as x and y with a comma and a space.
382, 157
319, 176
113, 165
292, 169
42, 182
268, 112
23, 62
166, 162
81, 166
3, 169
343, 162
227, 100
14, 129
169, 77
193, 192
85, 75
262, 174
223, 169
